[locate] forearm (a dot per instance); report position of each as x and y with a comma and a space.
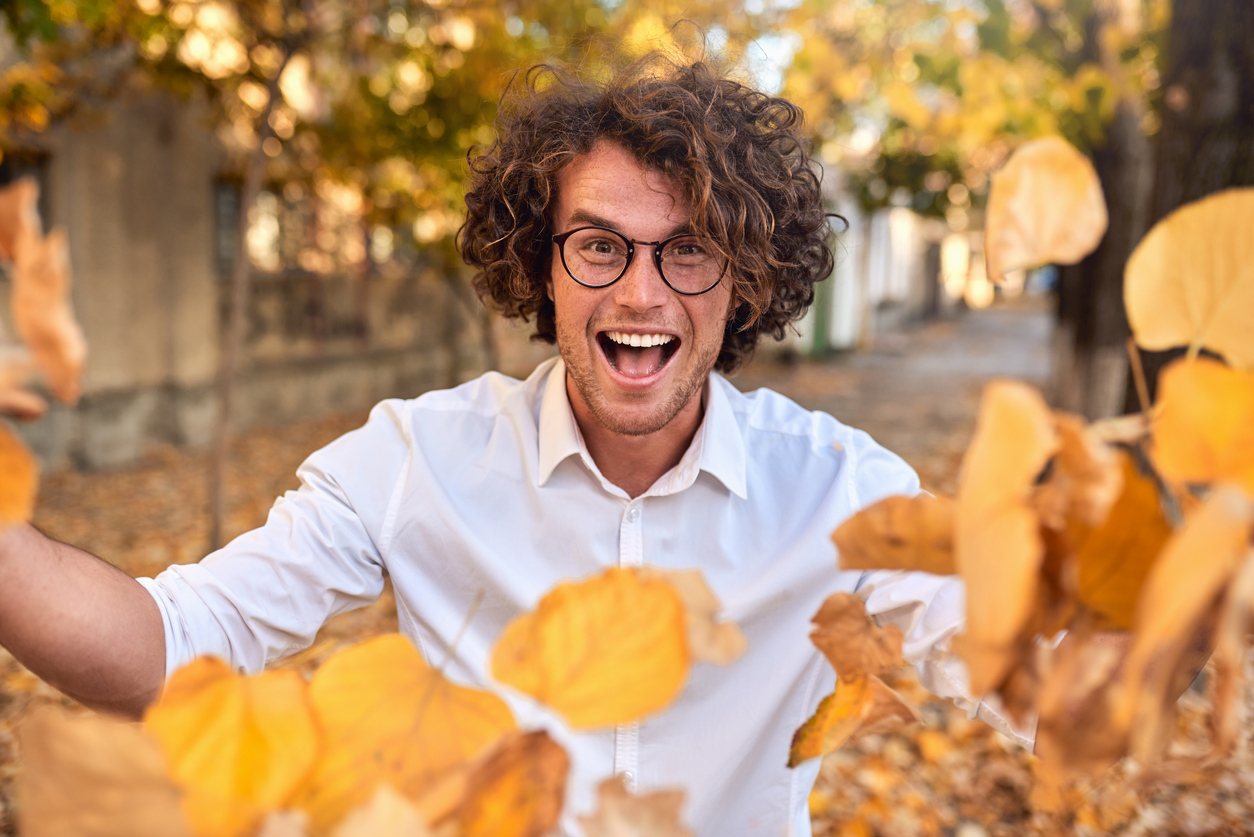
79, 623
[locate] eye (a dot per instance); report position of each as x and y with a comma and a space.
689, 249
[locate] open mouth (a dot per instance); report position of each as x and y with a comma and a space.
637, 355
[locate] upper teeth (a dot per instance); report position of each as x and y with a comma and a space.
643, 340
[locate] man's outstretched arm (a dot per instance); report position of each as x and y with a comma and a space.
79, 623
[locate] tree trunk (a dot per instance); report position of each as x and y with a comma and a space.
1206, 142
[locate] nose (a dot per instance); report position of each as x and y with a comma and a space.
641, 287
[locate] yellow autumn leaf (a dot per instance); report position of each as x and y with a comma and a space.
93, 776
1045, 206
996, 538
851, 640
709, 640
905, 104
621, 813
1084, 480
387, 814
237, 745
1114, 560
857, 707
603, 651
19, 480
1179, 596
1190, 281
899, 533
518, 791
387, 717
1204, 428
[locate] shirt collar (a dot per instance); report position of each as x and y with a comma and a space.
718, 447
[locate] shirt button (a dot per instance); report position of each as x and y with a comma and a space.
629, 777
633, 514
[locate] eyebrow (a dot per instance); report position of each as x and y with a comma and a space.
580, 216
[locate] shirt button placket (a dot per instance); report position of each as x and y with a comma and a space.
630, 554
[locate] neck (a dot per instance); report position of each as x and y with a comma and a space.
634, 463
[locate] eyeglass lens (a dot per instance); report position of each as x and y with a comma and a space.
597, 257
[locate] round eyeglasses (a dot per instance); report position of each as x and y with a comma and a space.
596, 257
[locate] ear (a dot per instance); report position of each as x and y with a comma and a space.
548, 288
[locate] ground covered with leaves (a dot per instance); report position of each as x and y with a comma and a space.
915, 393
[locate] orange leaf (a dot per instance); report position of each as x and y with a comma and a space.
1228, 661
518, 791
19, 215
709, 640
1114, 560
1190, 282
857, 707
93, 776
603, 651
620, 813
996, 537
851, 640
238, 745
1045, 206
387, 717
899, 533
1204, 430
42, 312
1084, 481
1178, 597
19, 482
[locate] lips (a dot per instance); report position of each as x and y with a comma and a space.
637, 355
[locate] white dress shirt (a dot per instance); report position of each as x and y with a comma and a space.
488, 489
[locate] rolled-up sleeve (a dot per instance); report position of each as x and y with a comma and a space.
321, 552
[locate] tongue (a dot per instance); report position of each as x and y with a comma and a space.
639, 362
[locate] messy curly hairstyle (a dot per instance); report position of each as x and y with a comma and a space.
737, 156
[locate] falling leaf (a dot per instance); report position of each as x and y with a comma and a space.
603, 651
387, 717
387, 814
857, 707
1204, 430
851, 640
19, 215
709, 640
1178, 598
1190, 281
1075, 732
1114, 560
19, 482
518, 791
237, 745
1045, 206
899, 533
1228, 661
42, 313
620, 813
1084, 481
996, 538
93, 776
286, 824
15, 369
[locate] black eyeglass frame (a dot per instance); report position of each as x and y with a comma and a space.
560, 240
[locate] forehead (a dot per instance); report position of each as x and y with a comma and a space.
607, 185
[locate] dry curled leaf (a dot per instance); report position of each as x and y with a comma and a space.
387, 717
1113, 560
709, 640
19, 480
93, 776
1190, 281
620, 813
387, 814
1045, 206
1084, 481
603, 651
851, 640
899, 533
1204, 428
996, 538
858, 707
42, 313
518, 790
19, 215
1177, 601
237, 745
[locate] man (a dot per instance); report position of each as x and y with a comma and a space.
653, 227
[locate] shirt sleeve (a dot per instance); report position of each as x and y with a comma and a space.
320, 552
929, 609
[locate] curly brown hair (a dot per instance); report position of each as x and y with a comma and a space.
737, 156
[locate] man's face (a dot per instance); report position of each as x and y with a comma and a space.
631, 390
